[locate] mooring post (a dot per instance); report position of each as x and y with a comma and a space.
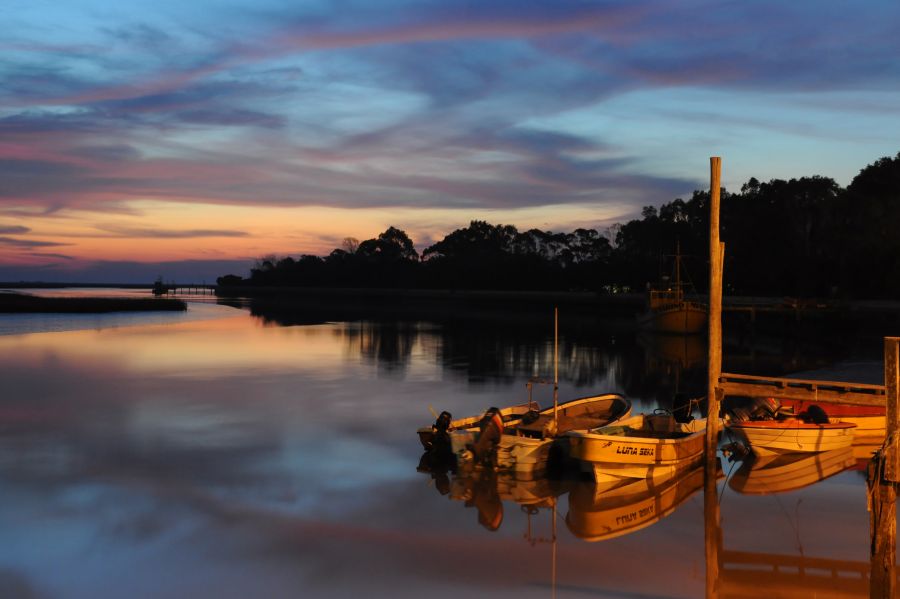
892, 407
883, 475
714, 326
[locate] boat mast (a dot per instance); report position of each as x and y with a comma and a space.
678, 268
555, 363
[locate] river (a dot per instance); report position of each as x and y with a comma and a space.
218, 453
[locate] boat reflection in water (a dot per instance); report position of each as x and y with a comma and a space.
790, 471
598, 514
486, 491
595, 513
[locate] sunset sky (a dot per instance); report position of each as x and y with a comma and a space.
186, 139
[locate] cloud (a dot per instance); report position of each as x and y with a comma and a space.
112, 272
49, 255
29, 243
421, 106
131, 232
13, 230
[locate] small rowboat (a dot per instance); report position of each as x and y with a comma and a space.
527, 448
526, 443
646, 446
790, 435
870, 421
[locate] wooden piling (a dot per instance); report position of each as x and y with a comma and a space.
882, 479
892, 407
716, 251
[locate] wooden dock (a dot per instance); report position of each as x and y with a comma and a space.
188, 289
842, 392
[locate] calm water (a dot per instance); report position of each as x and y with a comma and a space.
220, 454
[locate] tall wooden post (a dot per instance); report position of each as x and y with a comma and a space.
883, 476
716, 252
892, 413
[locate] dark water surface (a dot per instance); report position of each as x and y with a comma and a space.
225, 455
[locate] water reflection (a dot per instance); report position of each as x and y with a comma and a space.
748, 575
744, 574
486, 491
223, 458
599, 514
788, 472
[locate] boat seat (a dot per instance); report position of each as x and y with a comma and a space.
627, 431
564, 423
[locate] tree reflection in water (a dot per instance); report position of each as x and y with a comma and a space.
496, 345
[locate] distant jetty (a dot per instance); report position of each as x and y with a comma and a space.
20, 303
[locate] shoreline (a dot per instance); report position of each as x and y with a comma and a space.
17, 303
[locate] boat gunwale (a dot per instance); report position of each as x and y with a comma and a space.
593, 436
789, 425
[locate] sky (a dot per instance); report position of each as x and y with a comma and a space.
186, 139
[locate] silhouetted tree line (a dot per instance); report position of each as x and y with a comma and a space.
806, 237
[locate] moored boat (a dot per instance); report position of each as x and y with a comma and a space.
870, 421
792, 434
510, 415
526, 447
669, 312
651, 446
526, 443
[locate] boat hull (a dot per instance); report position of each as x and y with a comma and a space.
685, 319
870, 421
611, 456
770, 437
525, 449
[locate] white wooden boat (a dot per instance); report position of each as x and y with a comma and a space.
791, 435
870, 421
527, 447
766, 475
526, 443
646, 446
596, 515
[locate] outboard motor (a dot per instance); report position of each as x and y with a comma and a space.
442, 424
759, 408
764, 408
441, 453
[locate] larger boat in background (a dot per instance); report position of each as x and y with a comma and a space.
669, 312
